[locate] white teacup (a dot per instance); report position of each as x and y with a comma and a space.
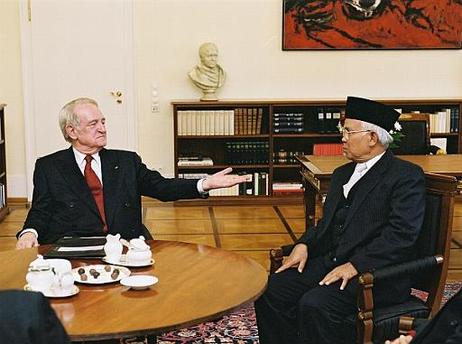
66, 282
64, 279
60, 265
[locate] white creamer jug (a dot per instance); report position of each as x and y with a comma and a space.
113, 247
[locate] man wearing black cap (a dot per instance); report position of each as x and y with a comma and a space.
373, 214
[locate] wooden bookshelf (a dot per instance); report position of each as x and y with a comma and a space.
3, 181
199, 131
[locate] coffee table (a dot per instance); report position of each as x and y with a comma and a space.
197, 283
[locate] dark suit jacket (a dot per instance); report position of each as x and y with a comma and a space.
62, 203
384, 219
445, 327
27, 318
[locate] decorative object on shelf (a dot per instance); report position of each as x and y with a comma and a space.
397, 135
208, 75
377, 24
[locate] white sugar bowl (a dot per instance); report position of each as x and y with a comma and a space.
40, 276
139, 252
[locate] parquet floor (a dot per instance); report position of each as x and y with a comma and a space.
247, 230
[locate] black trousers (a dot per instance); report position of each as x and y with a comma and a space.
295, 309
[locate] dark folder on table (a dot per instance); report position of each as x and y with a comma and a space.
77, 247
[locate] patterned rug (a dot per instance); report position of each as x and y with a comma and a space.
239, 327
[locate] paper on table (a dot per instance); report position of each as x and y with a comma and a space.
79, 248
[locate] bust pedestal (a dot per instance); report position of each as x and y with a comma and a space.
209, 96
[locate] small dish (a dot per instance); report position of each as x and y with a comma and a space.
57, 292
123, 261
139, 282
99, 274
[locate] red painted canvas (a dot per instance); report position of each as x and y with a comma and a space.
372, 24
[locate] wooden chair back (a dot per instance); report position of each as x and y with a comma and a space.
416, 130
428, 271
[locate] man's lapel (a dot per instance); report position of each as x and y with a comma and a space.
112, 182
336, 193
74, 178
368, 182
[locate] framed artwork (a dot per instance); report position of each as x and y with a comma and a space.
371, 24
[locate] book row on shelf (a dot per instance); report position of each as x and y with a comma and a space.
255, 185
288, 122
195, 160
444, 121
240, 121
287, 188
328, 120
246, 152
283, 156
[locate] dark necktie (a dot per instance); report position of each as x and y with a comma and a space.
96, 189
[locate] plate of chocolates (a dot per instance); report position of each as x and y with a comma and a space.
99, 274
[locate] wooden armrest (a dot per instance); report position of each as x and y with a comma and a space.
277, 255
365, 324
406, 324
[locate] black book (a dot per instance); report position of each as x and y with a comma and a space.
75, 247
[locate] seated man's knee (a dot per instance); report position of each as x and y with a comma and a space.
311, 302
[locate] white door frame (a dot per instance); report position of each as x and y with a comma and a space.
29, 96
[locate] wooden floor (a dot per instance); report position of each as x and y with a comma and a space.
247, 230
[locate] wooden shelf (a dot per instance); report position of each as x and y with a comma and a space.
220, 137
286, 166
216, 167
214, 146
308, 135
3, 180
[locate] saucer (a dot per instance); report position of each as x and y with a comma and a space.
56, 292
124, 262
139, 282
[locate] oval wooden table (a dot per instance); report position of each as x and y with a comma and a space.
197, 283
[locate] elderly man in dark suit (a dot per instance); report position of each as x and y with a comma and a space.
373, 214
88, 190
27, 318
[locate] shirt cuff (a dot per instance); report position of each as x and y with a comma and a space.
29, 230
200, 188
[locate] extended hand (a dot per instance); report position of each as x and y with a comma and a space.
27, 240
345, 272
297, 259
222, 179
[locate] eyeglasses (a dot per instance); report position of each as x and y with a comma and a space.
346, 133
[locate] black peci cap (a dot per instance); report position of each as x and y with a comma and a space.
370, 111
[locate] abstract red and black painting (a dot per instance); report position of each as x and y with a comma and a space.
372, 24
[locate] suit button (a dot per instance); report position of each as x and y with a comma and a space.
127, 204
334, 259
71, 205
454, 323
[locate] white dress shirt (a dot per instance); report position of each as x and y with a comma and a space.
360, 170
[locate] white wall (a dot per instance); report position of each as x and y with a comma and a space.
11, 94
248, 35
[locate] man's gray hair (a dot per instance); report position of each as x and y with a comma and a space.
68, 117
384, 136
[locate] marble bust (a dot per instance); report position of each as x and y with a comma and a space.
208, 75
